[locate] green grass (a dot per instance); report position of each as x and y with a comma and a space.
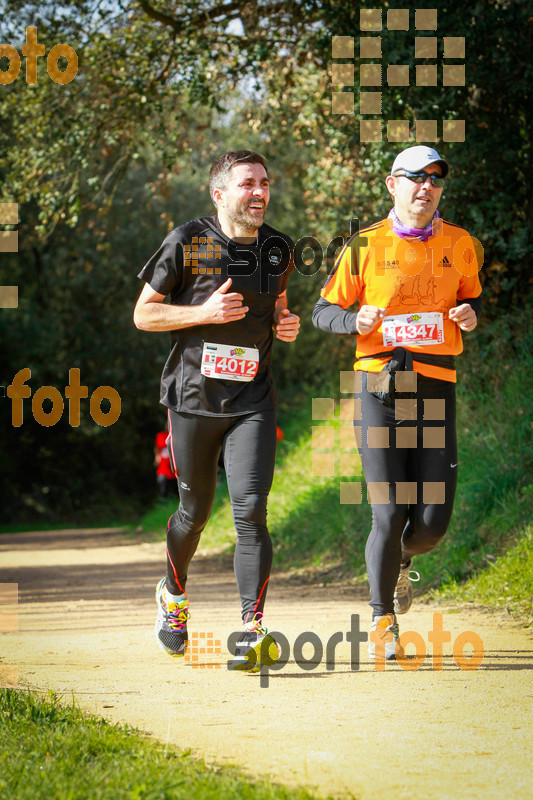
18, 527
309, 525
51, 751
155, 520
507, 581
91, 518
494, 499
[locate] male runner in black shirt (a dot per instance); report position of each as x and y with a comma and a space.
226, 276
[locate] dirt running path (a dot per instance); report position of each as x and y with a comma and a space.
86, 613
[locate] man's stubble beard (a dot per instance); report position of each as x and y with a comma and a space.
247, 225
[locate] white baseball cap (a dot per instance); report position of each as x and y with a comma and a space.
414, 159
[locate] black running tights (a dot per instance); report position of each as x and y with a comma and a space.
409, 458
248, 445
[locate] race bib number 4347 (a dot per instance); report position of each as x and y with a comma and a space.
420, 329
229, 362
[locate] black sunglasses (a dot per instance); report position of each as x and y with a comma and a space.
421, 177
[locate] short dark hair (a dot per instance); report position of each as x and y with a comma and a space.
219, 172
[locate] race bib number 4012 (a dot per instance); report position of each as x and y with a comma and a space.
421, 329
229, 362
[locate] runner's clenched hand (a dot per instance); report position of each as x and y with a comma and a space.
368, 318
223, 306
287, 326
464, 316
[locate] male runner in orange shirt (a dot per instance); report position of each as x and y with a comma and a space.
415, 278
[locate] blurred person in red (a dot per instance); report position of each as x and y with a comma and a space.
166, 478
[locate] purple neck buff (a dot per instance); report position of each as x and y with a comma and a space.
404, 230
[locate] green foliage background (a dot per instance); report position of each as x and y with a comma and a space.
103, 167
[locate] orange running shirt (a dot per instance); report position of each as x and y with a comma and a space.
408, 277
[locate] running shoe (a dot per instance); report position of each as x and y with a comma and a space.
403, 594
255, 647
387, 629
171, 623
